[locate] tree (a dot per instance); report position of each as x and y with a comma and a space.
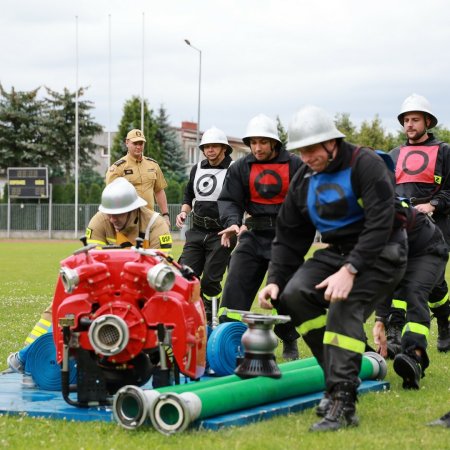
58, 129
282, 133
95, 193
372, 134
345, 125
172, 162
131, 119
441, 133
89, 176
20, 129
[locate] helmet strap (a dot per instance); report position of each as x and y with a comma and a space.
329, 152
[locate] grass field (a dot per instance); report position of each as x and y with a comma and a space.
389, 420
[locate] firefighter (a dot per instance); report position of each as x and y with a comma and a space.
256, 186
202, 250
142, 172
422, 172
345, 193
427, 258
122, 217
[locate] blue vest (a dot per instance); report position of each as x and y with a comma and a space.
332, 204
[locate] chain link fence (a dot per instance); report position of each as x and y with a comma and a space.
35, 219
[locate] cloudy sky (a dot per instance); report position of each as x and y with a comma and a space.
270, 56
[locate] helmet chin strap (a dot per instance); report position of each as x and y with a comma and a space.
329, 152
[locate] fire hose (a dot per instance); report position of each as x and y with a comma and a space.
172, 410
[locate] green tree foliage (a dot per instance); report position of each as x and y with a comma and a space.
82, 194
20, 131
131, 119
172, 162
89, 176
344, 125
36, 132
173, 191
441, 133
372, 134
282, 133
58, 194
95, 194
58, 127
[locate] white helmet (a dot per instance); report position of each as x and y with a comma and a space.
120, 197
215, 136
311, 125
262, 126
417, 103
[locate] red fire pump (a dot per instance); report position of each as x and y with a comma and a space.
126, 315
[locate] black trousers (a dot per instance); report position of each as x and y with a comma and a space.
248, 267
438, 294
342, 327
205, 255
414, 289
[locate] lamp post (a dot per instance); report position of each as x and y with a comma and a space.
199, 88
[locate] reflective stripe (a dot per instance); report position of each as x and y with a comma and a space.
152, 220
209, 298
399, 304
39, 329
93, 241
344, 342
230, 315
417, 328
439, 303
313, 324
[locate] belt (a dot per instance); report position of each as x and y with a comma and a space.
419, 200
208, 223
261, 222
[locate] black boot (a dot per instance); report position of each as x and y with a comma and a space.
443, 340
290, 350
394, 340
444, 421
342, 411
324, 405
408, 367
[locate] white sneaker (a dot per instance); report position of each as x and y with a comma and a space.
14, 363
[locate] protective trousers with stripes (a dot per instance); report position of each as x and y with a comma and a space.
413, 290
337, 339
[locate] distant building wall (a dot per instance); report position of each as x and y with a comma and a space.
101, 155
187, 137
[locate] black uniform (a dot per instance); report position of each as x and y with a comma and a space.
258, 189
423, 174
427, 258
352, 204
203, 251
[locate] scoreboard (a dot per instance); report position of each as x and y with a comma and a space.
27, 182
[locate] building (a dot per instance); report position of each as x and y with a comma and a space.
187, 136
101, 154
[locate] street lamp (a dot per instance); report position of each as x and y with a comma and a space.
199, 87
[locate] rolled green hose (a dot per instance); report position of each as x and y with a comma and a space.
173, 412
200, 385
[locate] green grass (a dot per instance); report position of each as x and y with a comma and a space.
389, 420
